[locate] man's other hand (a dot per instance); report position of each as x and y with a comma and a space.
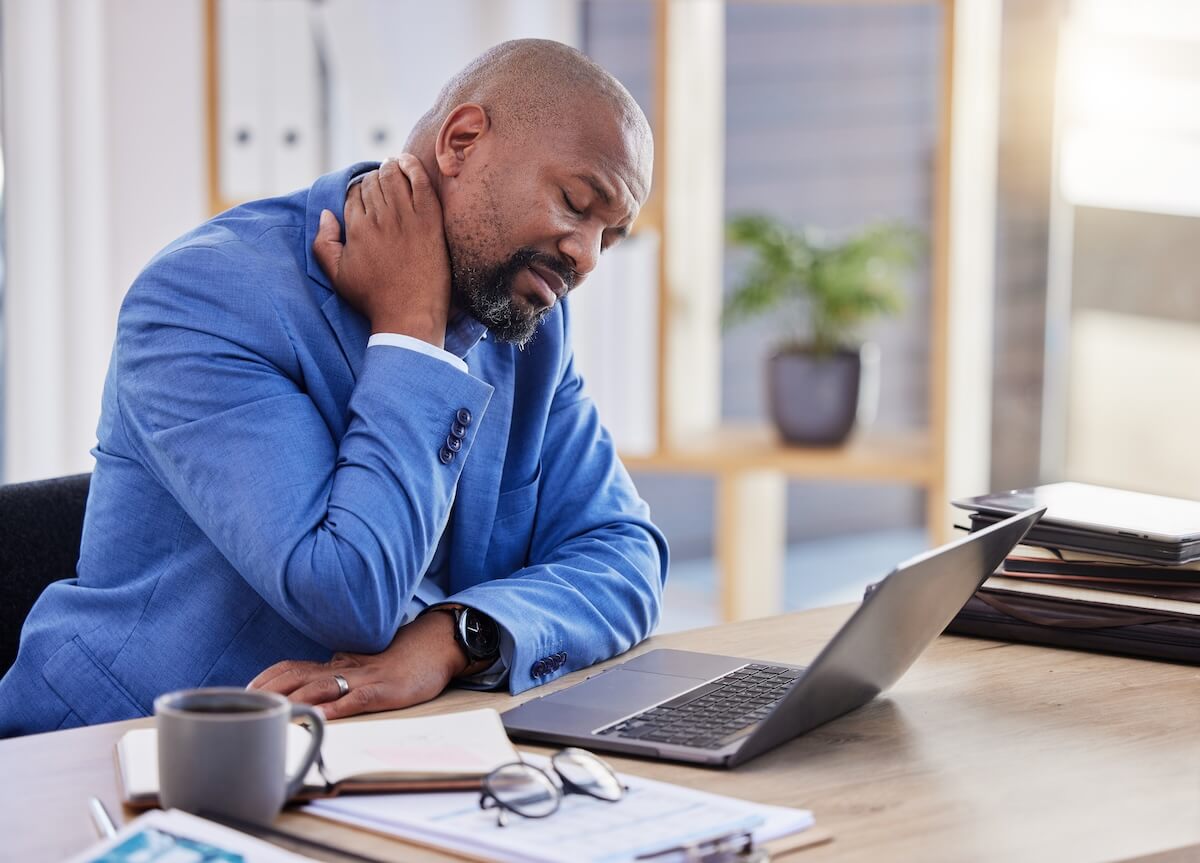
422, 659
393, 267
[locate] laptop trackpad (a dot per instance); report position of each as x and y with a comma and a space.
617, 692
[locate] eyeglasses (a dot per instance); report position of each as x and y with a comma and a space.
531, 792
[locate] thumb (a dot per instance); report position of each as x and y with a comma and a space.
327, 246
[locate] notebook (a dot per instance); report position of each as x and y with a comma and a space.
451, 751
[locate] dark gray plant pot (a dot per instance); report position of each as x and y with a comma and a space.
814, 398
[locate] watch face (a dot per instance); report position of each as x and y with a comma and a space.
480, 634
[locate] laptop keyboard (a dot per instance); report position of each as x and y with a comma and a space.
712, 715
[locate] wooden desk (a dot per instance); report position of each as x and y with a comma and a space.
982, 752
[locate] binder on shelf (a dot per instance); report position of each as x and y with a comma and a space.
290, 99
241, 129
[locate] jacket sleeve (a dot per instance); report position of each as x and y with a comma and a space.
332, 527
597, 565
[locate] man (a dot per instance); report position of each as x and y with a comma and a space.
354, 470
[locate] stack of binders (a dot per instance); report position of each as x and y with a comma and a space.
1104, 569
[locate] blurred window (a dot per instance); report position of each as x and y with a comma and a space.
1124, 314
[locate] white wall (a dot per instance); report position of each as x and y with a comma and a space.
103, 123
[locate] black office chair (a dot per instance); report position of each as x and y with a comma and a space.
40, 527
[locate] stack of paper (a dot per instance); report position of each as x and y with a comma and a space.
1100, 546
651, 817
1087, 577
1183, 601
1104, 570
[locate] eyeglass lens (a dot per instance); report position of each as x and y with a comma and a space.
586, 773
524, 790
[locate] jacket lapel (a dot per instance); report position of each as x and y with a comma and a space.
479, 483
351, 328
352, 331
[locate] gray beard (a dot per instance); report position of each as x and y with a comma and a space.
486, 293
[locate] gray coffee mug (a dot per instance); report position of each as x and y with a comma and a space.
224, 751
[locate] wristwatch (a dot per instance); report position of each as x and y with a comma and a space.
476, 633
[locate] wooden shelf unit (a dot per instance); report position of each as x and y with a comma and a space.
750, 464
751, 467
905, 457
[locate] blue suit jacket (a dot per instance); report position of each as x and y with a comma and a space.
267, 488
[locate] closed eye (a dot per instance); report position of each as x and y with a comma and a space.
613, 237
566, 200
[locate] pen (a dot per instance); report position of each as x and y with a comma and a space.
104, 824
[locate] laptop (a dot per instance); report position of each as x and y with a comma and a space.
678, 705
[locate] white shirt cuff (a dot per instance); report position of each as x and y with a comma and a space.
490, 678
396, 340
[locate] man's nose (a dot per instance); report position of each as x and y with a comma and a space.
583, 248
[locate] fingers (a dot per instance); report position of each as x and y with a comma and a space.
367, 698
354, 210
323, 689
411, 670
372, 697
269, 677
372, 195
396, 184
327, 245
421, 187
354, 204
314, 683
282, 677
364, 696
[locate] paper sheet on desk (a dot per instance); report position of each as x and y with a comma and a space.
652, 816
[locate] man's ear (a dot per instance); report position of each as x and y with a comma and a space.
460, 133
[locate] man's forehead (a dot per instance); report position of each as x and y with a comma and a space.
614, 162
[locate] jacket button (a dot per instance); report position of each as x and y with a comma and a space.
562, 658
454, 444
539, 668
464, 416
446, 456
458, 430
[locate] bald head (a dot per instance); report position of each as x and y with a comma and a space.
541, 160
530, 84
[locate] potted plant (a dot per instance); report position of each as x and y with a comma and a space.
821, 293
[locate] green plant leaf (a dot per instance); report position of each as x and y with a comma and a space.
837, 287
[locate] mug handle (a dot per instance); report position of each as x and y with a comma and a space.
314, 748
